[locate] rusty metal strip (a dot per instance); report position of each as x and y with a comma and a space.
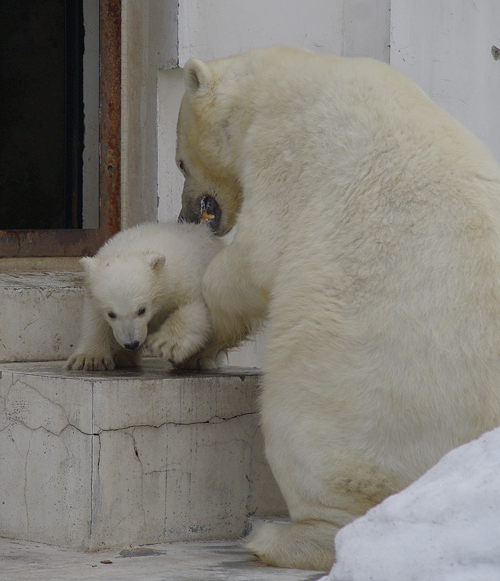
37, 243
110, 105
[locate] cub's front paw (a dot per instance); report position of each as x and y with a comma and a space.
172, 347
90, 362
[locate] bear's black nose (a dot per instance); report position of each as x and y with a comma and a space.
132, 346
204, 209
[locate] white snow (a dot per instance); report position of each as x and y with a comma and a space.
443, 527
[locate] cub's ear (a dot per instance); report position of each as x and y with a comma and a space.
156, 261
197, 77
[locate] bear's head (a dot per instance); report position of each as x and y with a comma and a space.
212, 192
124, 290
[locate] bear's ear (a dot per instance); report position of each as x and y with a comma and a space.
197, 76
88, 264
156, 261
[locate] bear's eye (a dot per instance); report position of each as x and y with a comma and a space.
112, 315
141, 311
182, 166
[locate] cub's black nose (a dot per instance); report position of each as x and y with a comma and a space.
132, 346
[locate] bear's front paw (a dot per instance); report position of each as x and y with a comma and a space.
90, 362
203, 360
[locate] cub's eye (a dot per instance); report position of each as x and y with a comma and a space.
141, 311
182, 166
112, 315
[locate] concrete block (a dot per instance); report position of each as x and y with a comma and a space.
98, 460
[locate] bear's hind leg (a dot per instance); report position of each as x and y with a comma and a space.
299, 545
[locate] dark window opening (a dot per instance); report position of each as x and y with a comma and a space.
44, 134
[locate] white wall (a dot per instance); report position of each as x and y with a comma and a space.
365, 28
212, 29
445, 47
170, 180
149, 40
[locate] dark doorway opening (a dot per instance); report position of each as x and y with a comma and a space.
101, 154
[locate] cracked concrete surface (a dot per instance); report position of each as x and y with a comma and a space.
95, 460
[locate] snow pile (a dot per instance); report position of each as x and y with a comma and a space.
445, 526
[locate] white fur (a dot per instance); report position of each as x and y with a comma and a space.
369, 234
144, 288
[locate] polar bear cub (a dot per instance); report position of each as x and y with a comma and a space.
143, 289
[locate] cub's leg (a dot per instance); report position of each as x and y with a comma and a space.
95, 348
183, 333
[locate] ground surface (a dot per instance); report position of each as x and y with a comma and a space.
194, 561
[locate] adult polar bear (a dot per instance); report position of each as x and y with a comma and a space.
368, 233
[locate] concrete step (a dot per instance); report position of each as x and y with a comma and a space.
39, 314
93, 460
194, 561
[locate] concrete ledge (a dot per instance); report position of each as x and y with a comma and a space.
39, 315
95, 460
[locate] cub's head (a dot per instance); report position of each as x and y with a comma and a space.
123, 289
212, 192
